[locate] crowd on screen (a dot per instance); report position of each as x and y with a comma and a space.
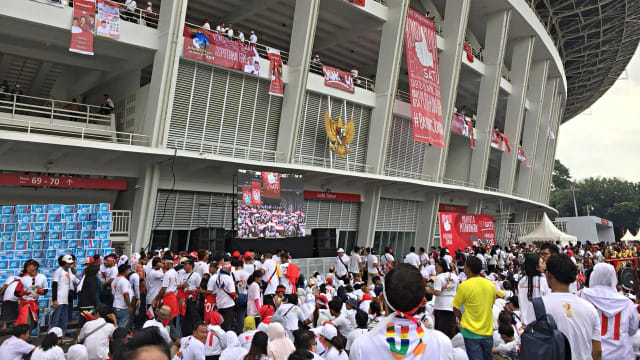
465, 304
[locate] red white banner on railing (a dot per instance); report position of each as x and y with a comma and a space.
424, 84
500, 141
522, 156
71, 182
214, 48
84, 13
356, 2
338, 79
462, 125
275, 63
469, 51
108, 19
458, 231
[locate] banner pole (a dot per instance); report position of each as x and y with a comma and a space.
330, 152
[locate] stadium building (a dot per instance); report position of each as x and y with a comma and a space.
167, 157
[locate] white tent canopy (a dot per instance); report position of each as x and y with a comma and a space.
628, 236
637, 237
547, 232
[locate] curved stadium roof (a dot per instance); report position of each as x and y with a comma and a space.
596, 40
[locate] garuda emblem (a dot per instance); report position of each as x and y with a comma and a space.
340, 135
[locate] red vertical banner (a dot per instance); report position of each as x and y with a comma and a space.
84, 13
458, 231
271, 185
246, 195
256, 193
276, 88
421, 49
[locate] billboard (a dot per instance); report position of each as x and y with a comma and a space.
458, 231
270, 205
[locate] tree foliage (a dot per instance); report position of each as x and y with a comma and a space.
561, 178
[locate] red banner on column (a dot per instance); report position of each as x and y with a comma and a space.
458, 231
246, 195
338, 79
256, 194
275, 61
271, 185
356, 2
421, 49
84, 13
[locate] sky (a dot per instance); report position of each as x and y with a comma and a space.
605, 139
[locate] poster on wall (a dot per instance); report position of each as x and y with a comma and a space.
275, 63
270, 205
458, 231
57, 3
421, 49
338, 79
108, 19
82, 27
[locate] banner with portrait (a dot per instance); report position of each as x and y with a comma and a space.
108, 19
459, 231
83, 27
421, 49
275, 63
338, 79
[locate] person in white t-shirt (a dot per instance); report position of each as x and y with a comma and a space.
122, 295
362, 320
34, 285
444, 289
95, 334
63, 279
270, 276
532, 285
412, 258
153, 277
192, 347
254, 294
16, 346
49, 348
386, 260
404, 293
240, 276
9, 301
575, 317
161, 315
223, 286
201, 266
291, 313
355, 263
619, 317
188, 283
253, 38
372, 265
284, 280
342, 265
168, 292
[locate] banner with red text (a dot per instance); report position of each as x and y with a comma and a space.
522, 156
424, 83
84, 13
458, 231
338, 79
214, 48
108, 19
275, 63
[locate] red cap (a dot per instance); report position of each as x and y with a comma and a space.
236, 254
194, 254
248, 255
329, 281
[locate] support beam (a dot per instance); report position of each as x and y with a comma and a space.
391, 47
303, 33
369, 215
520, 68
146, 193
496, 41
427, 221
538, 163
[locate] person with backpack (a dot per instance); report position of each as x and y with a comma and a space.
532, 285
575, 317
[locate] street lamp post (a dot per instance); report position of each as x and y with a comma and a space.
573, 191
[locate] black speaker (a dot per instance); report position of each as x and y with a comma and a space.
211, 239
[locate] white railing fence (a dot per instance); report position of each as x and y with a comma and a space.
54, 109
121, 222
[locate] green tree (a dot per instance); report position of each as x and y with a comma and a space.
561, 178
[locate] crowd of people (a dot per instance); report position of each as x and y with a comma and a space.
480, 303
231, 32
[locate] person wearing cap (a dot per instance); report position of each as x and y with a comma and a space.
249, 265
122, 294
161, 315
34, 285
206, 25
335, 345
49, 349
63, 279
342, 265
253, 38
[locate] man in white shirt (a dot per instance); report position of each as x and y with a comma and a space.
291, 313
386, 260
122, 294
223, 286
355, 263
161, 315
192, 347
188, 284
284, 280
153, 278
9, 301
168, 292
342, 266
576, 318
95, 334
63, 279
240, 277
249, 265
424, 258
253, 38
206, 25
16, 346
444, 289
202, 266
270, 276
131, 11
108, 270
230, 32
412, 258
372, 265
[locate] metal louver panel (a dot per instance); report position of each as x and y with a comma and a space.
405, 157
342, 215
185, 210
223, 112
397, 215
313, 145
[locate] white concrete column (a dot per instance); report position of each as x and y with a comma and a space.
165, 70
427, 219
305, 18
538, 163
535, 94
450, 60
390, 55
143, 206
495, 45
369, 215
551, 152
520, 66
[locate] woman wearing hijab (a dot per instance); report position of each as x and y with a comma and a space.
532, 285
233, 350
619, 318
279, 346
258, 350
248, 331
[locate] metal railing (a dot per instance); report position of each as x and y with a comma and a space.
121, 222
234, 151
403, 96
331, 163
439, 29
137, 16
458, 182
408, 174
308, 266
359, 81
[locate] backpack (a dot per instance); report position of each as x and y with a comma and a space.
542, 339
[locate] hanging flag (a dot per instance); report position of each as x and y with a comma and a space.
84, 13
276, 88
522, 156
338, 79
500, 141
468, 51
421, 49
472, 138
108, 19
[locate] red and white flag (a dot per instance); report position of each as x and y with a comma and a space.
421, 49
522, 156
338, 79
276, 88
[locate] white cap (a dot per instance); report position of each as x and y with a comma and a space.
69, 260
57, 331
340, 250
328, 331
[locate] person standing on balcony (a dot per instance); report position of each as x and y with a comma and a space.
131, 6
107, 106
240, 35
253, 38
230, 32
354, 75
149, 16
206, 25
